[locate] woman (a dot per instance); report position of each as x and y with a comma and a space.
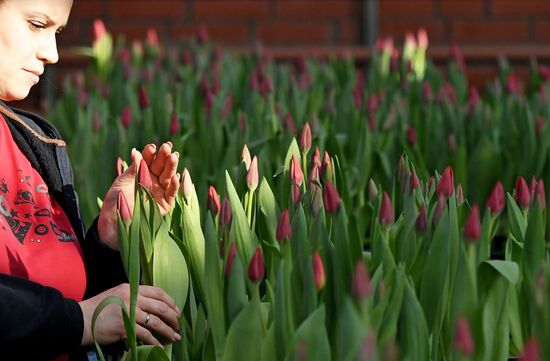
47, 262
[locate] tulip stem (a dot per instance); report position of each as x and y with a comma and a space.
249, 207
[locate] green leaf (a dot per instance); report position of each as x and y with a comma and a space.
413, 335
311, 333
515, 218
245, 335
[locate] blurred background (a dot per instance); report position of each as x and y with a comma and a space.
484, 29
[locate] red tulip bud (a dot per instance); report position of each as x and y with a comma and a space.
123, 208
213, 201
414, 182
463, 337
174, 128
296, 194
119, 166
143, 98
385, 216
144, 177
99, 30
230, 259
496, 199
522, 194
471, 230
284, 230
421, 220
440, 207
411, 135
361, 287
513, 83
296, 174
540, 194
531, 350
318, 271
202, 34
446, 183
313, 176
252, 176
256, 268
331, 198
533, 186
152, 37
225, 213
126, 116
305, 139
316, 157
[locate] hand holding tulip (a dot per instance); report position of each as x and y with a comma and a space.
162, 166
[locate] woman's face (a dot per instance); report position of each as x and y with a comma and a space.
28, 30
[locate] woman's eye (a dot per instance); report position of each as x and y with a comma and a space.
36, 25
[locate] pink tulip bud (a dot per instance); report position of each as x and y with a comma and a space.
289, 123
533, 186
143, 98
296, 194
472, 228
152, 37
202, 34
316, 157
126, 116
456, 55
144, 177
531, 350
123, 208
318, 271
213, 201
496, 199
410, 40
326, 166
119, 166
421, 220
225, 213
174, 128
305, 139
513, 83
411, 135
414, 182
463, 337
422, 38
187, 184
331, 198
473, 99
296, 174
386, 215
99, 30
252, 176
256, 268
522, 194
361, 287
245, 157
314, 176
284, 230
230, 259
540, 194
446, 183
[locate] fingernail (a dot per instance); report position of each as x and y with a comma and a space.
169, 143
177, 154
153, 145
177, 337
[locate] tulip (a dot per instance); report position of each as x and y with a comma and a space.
386, 214
230, 259
119, 166
296, 174
213, 201
513, 83
331, 198
252, 176
144, 177
126, 116
446, 186
284, 230
473, 99
496, 199
187, 184
373, 190
326, 166
296, 194
456, 55
314, 176
305, 139
471, 230
316, 157
245, 157
531, 350
414, 182
440, 207
422, 38
318, 271
144, 102
256, 267
202, 34
459, 195
540, 194
421, 220
225, 213
411, 135
463, 337
99, 30
152, 37
361, 286
123, 208
522, 194
533, 186
174, 128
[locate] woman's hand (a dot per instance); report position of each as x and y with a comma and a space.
155, 312
162, 164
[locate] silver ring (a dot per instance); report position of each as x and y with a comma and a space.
147, 318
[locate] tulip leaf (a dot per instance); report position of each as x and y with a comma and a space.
311, 337
270, 210
516, 220
534, 244
151, 353
388, 327
350, 332
245, 335
269, 352
413, 335
293, 150
236, 290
